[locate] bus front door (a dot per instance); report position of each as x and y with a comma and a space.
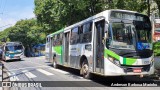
99, 47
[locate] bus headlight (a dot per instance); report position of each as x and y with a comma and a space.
152, 61
116, 62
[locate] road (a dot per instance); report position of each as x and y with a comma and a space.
37, 69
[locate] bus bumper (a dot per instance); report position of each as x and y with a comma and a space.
114, 70
14, 58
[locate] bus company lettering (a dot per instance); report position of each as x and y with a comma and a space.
26, 84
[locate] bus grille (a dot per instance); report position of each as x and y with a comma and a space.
144, 68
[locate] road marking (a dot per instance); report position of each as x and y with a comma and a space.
42, 57
61, 71
36, 63
44, 72
29, 74
13, 76
26, 68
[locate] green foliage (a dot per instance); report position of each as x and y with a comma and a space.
56, 14
26, 31
158, 3
134, 5
156, 48
53, 15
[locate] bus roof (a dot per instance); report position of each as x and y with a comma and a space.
13, 43
98, 15
59, 31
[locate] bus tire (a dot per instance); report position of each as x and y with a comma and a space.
85, 70
54, 63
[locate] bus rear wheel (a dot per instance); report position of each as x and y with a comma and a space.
54, 63
85, 70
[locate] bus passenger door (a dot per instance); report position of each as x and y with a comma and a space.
50, 49
66, 48
98, 46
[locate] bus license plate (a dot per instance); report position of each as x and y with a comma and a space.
137, 70
16, 56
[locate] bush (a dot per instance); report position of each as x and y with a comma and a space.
156, 48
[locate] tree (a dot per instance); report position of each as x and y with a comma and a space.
56, 14
158, 3
26, 31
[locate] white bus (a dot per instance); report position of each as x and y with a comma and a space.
111, 43
12, 50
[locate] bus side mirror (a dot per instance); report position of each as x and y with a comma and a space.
108, 42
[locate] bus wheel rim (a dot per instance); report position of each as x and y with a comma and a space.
85, 69
54, 64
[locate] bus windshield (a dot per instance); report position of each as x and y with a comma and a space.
14, 48
144, 36
129, 36
123, 36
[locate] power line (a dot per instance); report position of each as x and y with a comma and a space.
5, 25
3, 8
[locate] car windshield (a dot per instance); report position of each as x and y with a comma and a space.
13, 48
123, 36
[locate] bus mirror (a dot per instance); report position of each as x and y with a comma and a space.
107, 42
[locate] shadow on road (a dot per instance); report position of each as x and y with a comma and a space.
108, 80
15, 60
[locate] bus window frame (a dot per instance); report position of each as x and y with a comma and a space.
83, 34
72, 39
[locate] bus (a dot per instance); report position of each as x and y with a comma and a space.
54, 46
110, 43
156, 35
12, 51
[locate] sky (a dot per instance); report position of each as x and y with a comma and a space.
12, 11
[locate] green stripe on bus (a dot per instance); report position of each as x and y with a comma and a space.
129, 61
58, 49
126, 61
57, 32
112, 54
61, 54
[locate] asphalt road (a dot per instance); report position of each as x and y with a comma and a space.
41, 72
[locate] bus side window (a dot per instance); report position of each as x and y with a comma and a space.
74, 36
61, 38
53, 40
57, 40
87, 33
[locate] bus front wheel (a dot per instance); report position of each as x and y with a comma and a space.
85, 70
